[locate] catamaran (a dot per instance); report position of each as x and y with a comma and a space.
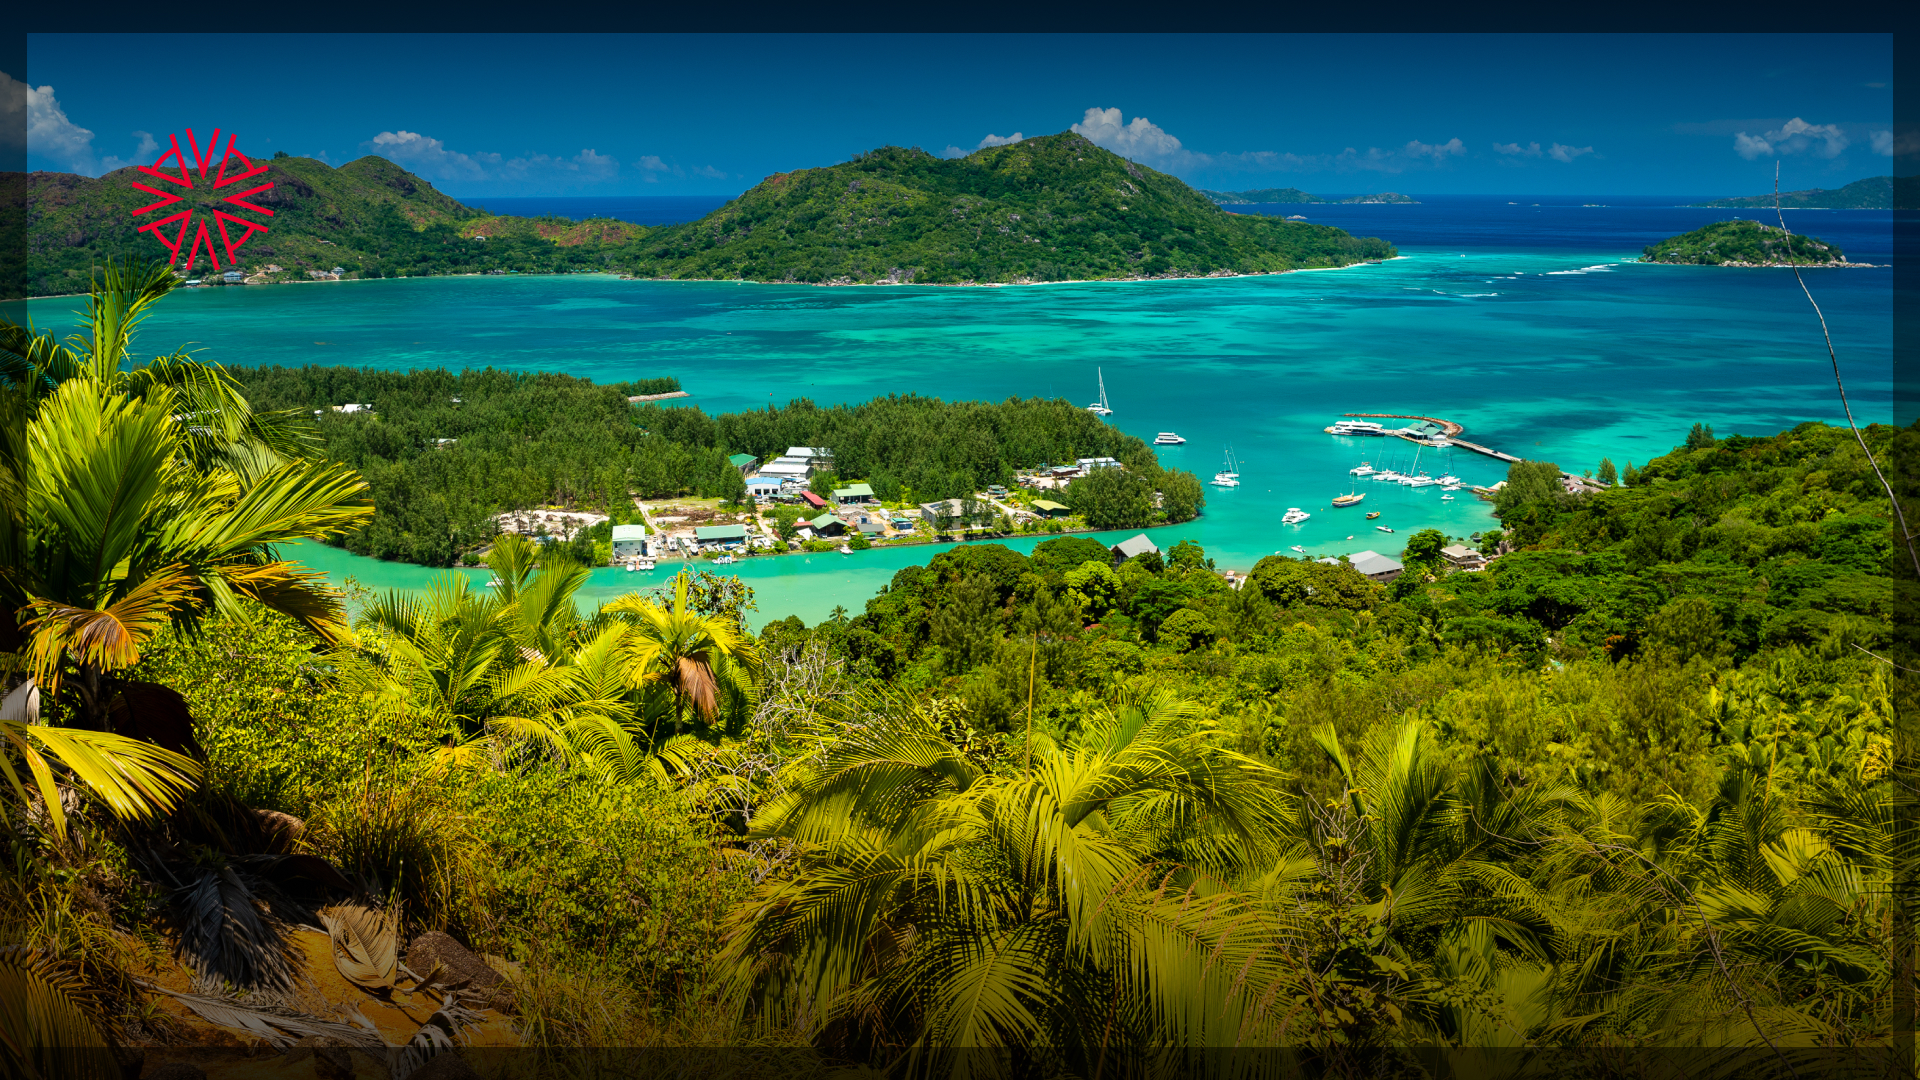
1101, 408
1364, 470
1294, 516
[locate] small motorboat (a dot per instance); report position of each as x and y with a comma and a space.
496, 583
1383, 528
1168, 438
724, 560
845, 550
1372, 515
1294, 516
1446, 498
1299, 549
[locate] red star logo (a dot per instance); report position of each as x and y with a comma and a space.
194, 215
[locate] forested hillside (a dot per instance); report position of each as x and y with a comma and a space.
1873, 193
1744, 243
369, 217
1054, 208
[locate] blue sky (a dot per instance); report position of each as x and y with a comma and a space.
674, 115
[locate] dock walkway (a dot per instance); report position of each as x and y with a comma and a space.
1452, 432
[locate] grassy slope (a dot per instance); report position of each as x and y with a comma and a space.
1726, 242
1873, 193
1047, 209
376, 215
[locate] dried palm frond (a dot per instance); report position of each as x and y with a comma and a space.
279, 1026
365, 950
440, 1034
44, 1030
226, 939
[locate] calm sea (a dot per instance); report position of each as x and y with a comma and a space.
1527, 323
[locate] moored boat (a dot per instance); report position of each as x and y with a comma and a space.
1371, 514
1294, 516
1347, 500
1101, 408
1383, 528
1167, 438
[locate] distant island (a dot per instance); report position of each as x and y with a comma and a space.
1295, 195
1745, 243
1873, 193
1053, 208
1261, 195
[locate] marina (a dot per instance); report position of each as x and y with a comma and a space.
1447, 436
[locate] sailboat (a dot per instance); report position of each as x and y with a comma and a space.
1101, 408
1227, 477
1351, 498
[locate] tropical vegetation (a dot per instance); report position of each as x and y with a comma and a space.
1633, 797
1744, 243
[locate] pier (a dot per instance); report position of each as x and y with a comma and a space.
1452, 432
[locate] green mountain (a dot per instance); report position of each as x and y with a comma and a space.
1261, 195
1744, 243
369, 217
1054, 208
1873, 193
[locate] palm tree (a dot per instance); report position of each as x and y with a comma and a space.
697, 656
132, 500
1077, 912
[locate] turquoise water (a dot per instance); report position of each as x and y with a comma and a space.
1535, 331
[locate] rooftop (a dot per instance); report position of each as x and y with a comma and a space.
1138, 545
720, 532
739, 460
1048, 505
1372, 562
854, 491
629, 532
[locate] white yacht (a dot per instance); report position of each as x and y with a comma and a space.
1294, 516
1450, 480
1422, 481
1356, 427
1364, 470
1229, 475
1299, 549
1446, 498
1167, 438
1101, 408
1388, 475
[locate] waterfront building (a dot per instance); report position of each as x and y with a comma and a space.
1047, 508
1138, 545
828, 525
1462, 557
1088, 464
629, 541
713, 536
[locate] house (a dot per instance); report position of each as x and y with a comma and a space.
1139, 545
819, 457
996, 491
1088, 464
713, 536
1463, 557
796, 469
233, 277
1375, 566
442, 444
813, 500
872, 528
629, 541
853, 493
764, 487
1047, 508
901, 523
744, 462
827, 525
951, 508
354, 407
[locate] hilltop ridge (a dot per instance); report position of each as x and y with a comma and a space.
1873, 193
1052, 208
1745, 243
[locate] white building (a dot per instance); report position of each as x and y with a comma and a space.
629, 541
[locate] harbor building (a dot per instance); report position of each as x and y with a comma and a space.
629, 541
714, 536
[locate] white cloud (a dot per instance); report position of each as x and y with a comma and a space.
428, 157
1141, 140
144, 154
1563, 153
1881, 142
54, 137
1000, 140
1516, 150
1796, 136
709, 172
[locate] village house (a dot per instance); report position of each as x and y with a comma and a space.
1138, 545
853, 494
719, 536
746, 463
629, 541
1463, 558
1375, 566
828, 525
764, 487
1047, 508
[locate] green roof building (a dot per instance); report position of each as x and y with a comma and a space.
853, 493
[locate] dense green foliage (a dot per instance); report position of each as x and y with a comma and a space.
1261, 195
1055, 208
525, 440
1873, 193
369, 217
1743, 243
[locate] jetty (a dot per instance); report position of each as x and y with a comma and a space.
1451, 431
638, 398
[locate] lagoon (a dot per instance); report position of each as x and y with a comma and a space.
1529, 324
